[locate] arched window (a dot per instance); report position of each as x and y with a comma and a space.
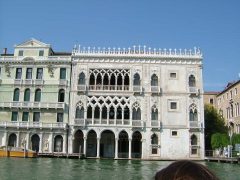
194, 140
154, 114
119, 112
92, 80
154, 80
12, 140
154, 139
97, 112
79, 113
126, 113
81, 80
136, 80
111, 113
16, 94
193, 115
104, 112
136, 113
37, 97
89, 112
192, 81
61, 95
27, 95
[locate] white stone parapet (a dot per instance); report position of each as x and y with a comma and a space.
136, 51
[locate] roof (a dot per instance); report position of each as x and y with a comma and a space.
229, 86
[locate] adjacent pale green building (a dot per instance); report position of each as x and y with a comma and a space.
34, 96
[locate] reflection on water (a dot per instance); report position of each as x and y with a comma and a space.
46, 168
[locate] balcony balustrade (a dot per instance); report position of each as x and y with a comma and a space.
108, 88
32, 105
104, 122
155, 123
195, 124
22, 124
137, 89
63, 82
137, 123
39, 82
193, 90
81, 88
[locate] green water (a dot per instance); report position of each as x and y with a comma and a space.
69, 169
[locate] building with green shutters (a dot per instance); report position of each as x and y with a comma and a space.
34, 98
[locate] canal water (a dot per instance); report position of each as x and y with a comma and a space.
92, 169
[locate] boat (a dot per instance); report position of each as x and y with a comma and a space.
9, 151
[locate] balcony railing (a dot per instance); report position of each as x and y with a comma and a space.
155, 123
81, 88
155, 89
22, 124
63, 82
17, 82
193, 90
32, 105
137, 123
39, 82
137, 89
195, 124
108, 88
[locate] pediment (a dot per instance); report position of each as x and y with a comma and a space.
32, 43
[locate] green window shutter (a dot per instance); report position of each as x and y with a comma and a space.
14, 116
62, 73
25, 116
38, 95
27, 95
16, 95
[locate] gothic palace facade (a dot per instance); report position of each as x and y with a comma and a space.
115, 103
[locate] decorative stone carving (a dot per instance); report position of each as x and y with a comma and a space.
7, 70
51, 70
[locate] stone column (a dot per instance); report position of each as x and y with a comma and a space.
41, 142
5, 140
85, 145
129, 148
65, 143
51, 143
28, 141
98, 147
116, 148
18, 139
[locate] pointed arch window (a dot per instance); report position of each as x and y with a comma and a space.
81, 80
193, 114
37, 97
136, 113
27, 95
154, 80
79, 112
154, 114
16, 94
192, 81
136, 80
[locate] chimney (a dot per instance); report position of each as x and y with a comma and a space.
4, 51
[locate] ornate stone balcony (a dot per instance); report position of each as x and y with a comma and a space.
28, 82
195, 124
81, 88
63, 82
137, 89
18, 124
193, 90
108, 122
33, 105
155, 124
108, 88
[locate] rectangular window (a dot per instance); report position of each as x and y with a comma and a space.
236, 91
14, 116
41, 52
173, 75
211, 101
173, 105
29, 73
25, 116
62, 73
20, 53
174, 133
36, 116
19, 73
39, 73
193, 151
59, 117
154, 150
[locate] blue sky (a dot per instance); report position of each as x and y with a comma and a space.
212, 25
